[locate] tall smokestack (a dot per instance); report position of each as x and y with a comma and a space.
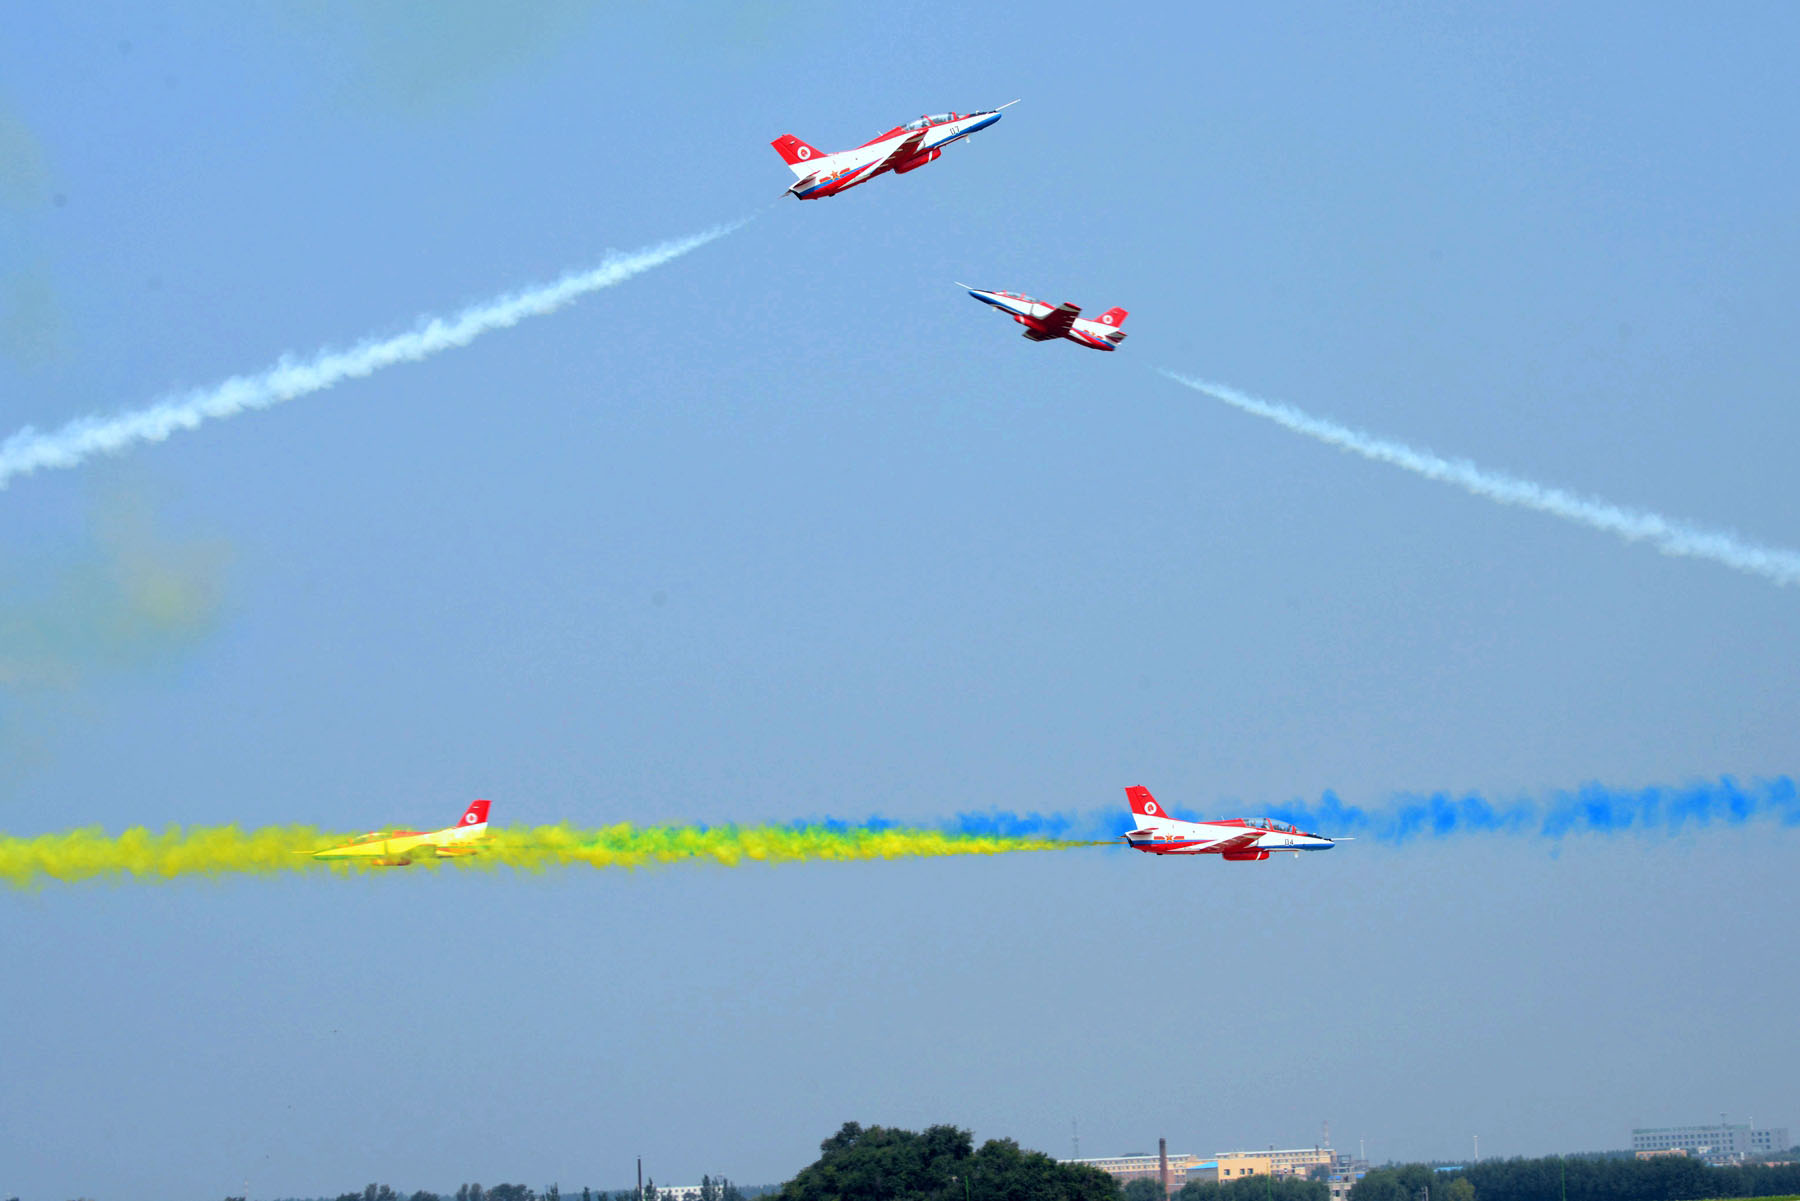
1162, 1162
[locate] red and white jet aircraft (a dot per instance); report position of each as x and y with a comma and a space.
1236, 838
401, 848
1045, 323
901, 149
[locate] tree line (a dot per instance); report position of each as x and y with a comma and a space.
942, 1163
1587, 1178
711, 1189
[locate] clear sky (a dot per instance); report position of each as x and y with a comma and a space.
792, 527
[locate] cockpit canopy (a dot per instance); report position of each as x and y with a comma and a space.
1269, 823
924, 122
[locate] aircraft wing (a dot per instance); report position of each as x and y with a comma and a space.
1237, 842
1060, 320
908, 146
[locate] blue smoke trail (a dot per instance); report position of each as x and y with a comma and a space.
1099, 825
1589, 809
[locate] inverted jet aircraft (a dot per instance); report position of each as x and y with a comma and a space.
1236, 838
901, 149
1046, 323
401, 848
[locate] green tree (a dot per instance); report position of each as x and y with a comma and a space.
1142, 1189
1260, 1188
938, 1164
1581, 1177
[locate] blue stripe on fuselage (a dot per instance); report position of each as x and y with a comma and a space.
965, 133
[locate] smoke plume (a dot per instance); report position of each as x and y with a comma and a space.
1590, 809
1775, 564
31, 450
178, 852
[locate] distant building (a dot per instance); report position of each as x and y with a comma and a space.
1234, 1165
1345, 1172
1661, 1154
1295, 1161
1126, 1168
1717, 1141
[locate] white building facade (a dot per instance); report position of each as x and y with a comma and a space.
1717, 1141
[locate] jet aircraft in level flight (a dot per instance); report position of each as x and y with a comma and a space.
1235, 838
901, 149
401, 848
1045, 323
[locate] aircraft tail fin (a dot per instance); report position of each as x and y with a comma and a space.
475, 815
1114, 316
795, 153
1145, 808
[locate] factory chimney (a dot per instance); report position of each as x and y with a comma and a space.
1162, 1162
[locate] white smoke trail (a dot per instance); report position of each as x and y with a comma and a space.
31, 450
1670, 537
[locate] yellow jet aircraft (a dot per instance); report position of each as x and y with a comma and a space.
400, 848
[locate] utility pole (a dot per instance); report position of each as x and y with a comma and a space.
1478, 1148
1075, 1135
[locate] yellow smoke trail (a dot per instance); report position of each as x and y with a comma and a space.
177, 852
138, 853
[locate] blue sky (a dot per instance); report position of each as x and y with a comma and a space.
793, 527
